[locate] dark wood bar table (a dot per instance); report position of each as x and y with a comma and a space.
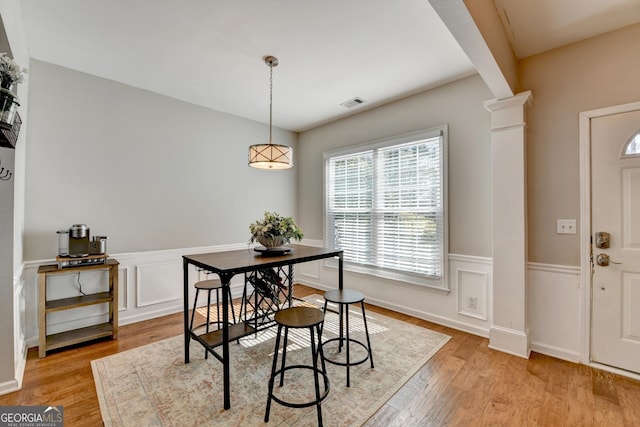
226, 265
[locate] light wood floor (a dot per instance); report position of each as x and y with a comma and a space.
464, 384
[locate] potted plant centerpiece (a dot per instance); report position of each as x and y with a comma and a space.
274, 230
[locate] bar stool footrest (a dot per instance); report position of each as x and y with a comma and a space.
351, 363
213, 322
323, 395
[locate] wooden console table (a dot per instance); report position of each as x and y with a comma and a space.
75, 336
226, 265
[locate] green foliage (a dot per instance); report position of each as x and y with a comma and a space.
274, 225
10, 71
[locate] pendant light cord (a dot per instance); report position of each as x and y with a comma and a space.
270, 100
270, 156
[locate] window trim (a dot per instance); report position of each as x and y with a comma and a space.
441, 283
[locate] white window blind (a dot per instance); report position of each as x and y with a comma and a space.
385, 206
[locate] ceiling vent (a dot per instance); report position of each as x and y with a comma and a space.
353, 102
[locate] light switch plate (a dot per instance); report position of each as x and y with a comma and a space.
566, 226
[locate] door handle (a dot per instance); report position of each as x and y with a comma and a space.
603, 260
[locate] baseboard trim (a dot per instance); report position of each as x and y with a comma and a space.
440, 320
10, 386
149, 315
557, 352
509, 341
16, 384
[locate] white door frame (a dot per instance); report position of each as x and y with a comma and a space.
585, 231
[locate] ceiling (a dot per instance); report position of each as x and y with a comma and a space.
540, 25
210, 52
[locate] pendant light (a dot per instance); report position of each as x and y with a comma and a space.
270, 156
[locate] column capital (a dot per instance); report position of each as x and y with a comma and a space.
509, 112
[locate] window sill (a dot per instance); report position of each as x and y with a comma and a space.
391, 276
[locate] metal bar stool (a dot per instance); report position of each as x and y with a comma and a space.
345, 297
299, 318
210, 285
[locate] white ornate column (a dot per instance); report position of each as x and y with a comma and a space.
509, 331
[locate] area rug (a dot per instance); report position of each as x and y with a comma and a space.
152, 386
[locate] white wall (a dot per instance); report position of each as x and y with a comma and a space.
148, 171
12, 323
458, 104
159, 177
144, 171
595, 73
552, 294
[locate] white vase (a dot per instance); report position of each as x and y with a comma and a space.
272, 242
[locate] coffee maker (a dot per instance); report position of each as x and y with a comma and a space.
75, 242
79, 240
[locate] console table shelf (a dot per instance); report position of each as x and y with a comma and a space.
80, 301
76, 336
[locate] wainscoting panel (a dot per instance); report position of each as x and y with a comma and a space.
310, 270
471, 284
472, 293
554, 310
158, 283
151, 286
123, 289
435, 305
553, 300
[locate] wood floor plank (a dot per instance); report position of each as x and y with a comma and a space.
629, 401
464, 384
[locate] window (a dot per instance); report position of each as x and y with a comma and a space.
385, 206
632, 147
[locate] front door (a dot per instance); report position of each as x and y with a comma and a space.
615, 233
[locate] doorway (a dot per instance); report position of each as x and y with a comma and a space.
610, 238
